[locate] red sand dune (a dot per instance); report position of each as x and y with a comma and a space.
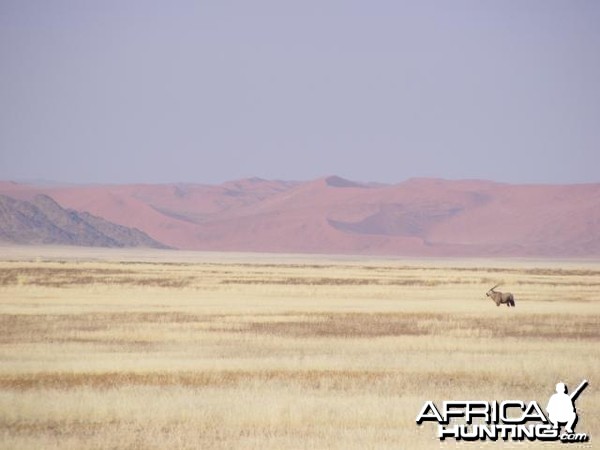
420, 217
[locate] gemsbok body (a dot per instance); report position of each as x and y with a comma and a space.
501, 298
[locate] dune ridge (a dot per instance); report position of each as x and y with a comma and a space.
417, 217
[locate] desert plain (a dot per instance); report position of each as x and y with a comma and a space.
155, 349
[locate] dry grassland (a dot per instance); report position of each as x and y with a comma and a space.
215, 351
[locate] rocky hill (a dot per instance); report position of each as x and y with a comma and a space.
43, 221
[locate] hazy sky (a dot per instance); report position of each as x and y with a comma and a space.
207, 91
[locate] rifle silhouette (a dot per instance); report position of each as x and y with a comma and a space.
578, 390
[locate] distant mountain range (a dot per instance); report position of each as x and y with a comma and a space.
418, 217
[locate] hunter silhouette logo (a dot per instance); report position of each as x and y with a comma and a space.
561, 407
509, 419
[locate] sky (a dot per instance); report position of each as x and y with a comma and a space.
117, 91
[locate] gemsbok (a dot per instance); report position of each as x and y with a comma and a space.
501, 297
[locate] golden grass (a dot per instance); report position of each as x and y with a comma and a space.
171, 350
